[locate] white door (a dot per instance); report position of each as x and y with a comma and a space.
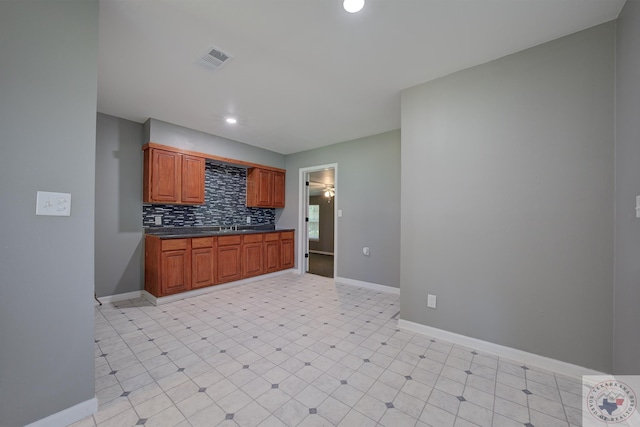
303, 215
306, 222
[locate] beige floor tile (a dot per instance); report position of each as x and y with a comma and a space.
303, 350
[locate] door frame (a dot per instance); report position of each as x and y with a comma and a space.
303, 239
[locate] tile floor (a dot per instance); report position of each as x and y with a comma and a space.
303, 351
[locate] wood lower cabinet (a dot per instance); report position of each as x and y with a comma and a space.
252, 255
179, 265
167, 266
271, 252
287, 250
203, 262
175, 276
229, 258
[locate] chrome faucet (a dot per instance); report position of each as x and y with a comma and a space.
228, 227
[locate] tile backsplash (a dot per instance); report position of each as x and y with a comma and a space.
225, 195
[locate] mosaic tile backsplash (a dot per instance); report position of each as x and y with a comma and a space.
224, 198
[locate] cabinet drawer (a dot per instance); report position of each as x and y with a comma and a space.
173, 244
270, 237
252, 238
202, 242
287, 235
229, 240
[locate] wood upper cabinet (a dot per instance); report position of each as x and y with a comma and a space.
278, 189
193, 179
265, 188
252, 255
287, 250
229, 258
172, 178
162, 172
203, 262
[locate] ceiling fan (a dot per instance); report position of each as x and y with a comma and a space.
329, 191
320, 188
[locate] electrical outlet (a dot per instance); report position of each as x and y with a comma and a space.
53, 204
431, 301
248, 220
158, 220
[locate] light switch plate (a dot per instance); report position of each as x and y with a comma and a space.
431, 301
53, 204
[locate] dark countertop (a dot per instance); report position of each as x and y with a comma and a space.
187, 232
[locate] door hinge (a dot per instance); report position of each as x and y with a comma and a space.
306, 220
306, 183
306, 255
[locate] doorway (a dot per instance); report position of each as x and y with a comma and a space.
318, 220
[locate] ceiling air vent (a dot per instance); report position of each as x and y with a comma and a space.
213, 59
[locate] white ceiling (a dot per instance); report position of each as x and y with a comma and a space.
305, 73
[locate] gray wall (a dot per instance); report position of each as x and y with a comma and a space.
507, 201
119, 248
325, 242
48, 86
368, 193
188, 139
627, 235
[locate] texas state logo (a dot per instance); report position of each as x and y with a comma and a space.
611, 401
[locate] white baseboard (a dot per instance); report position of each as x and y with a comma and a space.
196, 292
368, 285
529, 359
321, 252
120, 297
69, 415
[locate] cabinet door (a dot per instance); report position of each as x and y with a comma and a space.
265, 188
278, 189
258, 190
229, 263
252, 259
174, 277
193, 180
203, 261
165, 176
272, 256
287, 255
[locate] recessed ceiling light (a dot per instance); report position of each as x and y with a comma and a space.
231, 120
353, 6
